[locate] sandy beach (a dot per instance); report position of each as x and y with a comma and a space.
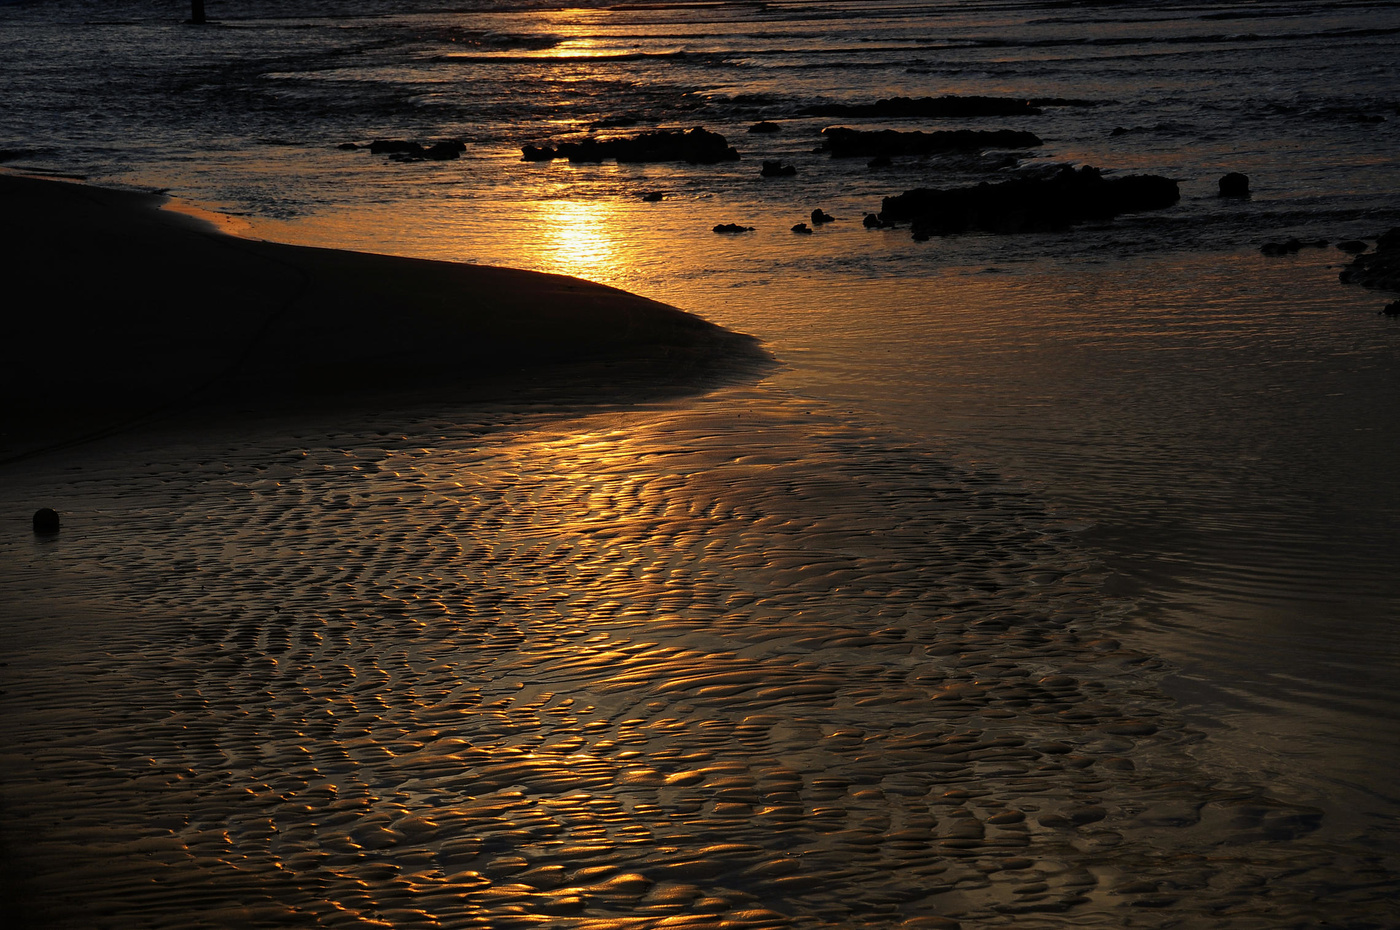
712, 661
823, 574
136, 311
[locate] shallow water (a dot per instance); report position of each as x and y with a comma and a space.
1196, 439
732, 662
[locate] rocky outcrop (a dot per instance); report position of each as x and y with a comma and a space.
1379, 269
842, 142
820, 216
733, 228
697, 146
1058, 202
765, 127
777, 169
404, 150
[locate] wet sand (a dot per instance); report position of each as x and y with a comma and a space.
716, 663
719, 661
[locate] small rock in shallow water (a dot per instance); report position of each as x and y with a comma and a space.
46, 521
446, 150
776, 169
732, 228
802, 229
1234, 184
1392, 308
820, 216
1352, 246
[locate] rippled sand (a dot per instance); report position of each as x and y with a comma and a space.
726, 663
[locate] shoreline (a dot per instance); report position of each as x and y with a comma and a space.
148, 310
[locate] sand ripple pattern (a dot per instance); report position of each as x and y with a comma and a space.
730, 665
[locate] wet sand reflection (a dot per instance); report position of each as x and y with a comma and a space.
733, 665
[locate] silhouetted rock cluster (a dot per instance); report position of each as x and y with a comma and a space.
696, 146
777, 169
733, 228
1291, 246
1379, 269
1026, 204
404, 150
842, 142
765, 127
945, 107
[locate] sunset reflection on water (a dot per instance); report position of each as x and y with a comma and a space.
576, 238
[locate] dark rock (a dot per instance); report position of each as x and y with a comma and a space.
1234, 184
732, 228
395, 146
802, 229
1291, 246
1392, 308
765, 127
873, 221
946, 107
1028, 204
445, 150
820, 216
1379, 269
776, 169
344, 146
842, 142
1352, 246
46, 521
879, 161
653, 197
696, 146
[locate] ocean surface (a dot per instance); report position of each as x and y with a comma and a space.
1049, 580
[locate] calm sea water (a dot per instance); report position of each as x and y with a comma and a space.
1221, 426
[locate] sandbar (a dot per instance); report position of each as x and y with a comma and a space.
133, 309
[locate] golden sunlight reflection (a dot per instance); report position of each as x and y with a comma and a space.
577, 238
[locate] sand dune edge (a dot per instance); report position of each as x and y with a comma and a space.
137, 305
